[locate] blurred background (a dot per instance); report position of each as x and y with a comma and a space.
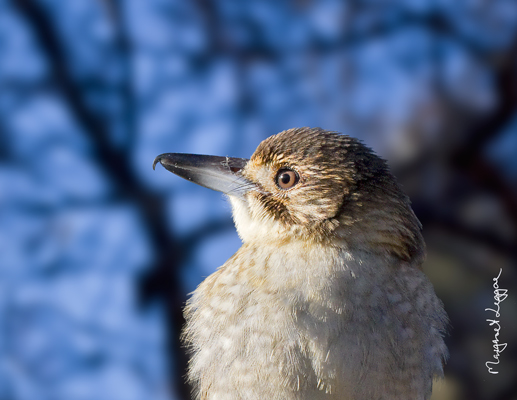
98, 252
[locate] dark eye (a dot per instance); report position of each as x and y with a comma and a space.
286, 178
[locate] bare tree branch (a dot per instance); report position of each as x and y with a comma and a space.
486, 128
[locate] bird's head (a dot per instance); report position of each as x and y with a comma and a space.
311, 185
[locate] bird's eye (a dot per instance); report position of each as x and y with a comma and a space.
286, 178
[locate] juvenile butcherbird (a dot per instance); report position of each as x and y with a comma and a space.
326, 298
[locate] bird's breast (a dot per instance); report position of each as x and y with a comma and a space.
253, 324
298, 324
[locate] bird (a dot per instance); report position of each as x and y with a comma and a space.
326, 298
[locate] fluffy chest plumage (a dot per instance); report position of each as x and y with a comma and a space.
299, 324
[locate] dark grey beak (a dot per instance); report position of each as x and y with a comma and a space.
217, 173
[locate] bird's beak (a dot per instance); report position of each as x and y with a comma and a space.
217, 173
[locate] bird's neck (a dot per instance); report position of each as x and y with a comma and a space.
312, 271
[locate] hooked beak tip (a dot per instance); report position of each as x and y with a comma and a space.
156, 161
